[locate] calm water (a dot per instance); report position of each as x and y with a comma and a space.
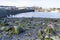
38, 14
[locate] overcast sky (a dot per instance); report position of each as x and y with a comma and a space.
29, 3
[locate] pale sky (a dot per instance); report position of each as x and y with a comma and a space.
29, 3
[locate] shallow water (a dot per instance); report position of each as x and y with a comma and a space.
38, 14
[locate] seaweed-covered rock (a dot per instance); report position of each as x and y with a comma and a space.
48, 39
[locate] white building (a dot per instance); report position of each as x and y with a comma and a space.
55, 11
